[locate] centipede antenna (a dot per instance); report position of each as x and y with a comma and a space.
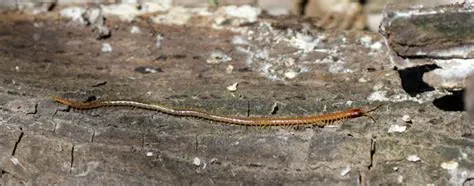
365, 113
374, 108
369, 116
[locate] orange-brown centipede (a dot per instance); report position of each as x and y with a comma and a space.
319, 120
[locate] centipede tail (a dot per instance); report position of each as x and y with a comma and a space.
319, 120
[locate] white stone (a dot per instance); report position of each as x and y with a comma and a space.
413, 158
291, 74
135, 30
106, 47
406, 118
345, 170
450, 165
233, 87
196, 161
397, 128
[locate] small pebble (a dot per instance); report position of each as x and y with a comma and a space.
232, 87
376, 46
213, 160
135, 30
406, 118
400, 179
291, 74
197, 161
345, 171
106, 47
149, 154
14, 161
413, 158
362, 80
147, 70
450, 165
229, 69
397, 128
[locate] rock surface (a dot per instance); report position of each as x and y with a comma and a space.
435, 36
43, 142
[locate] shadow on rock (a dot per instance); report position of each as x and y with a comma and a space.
412, 79
454, 102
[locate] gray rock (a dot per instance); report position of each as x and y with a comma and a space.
440, 36
440, 32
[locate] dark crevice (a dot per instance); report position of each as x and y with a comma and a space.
453, 102
196, 143
468, 181
17, 142
2, 174
72, 159
93, 136
248, 108
412, 79
302, 6
274, 109
372, 152
90, 99
361, 179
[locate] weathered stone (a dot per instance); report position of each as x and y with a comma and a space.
440, 36
440, 32
142, 147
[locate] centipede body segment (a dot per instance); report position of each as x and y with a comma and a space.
318, 120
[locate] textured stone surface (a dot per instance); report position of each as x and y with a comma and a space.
440, 32
43, 142
439, 38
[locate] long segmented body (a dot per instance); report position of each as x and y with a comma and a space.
318, 120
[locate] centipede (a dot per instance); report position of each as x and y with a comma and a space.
315, 120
